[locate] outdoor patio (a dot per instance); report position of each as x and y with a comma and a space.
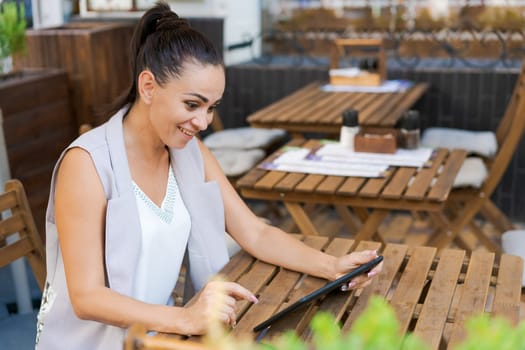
463, 69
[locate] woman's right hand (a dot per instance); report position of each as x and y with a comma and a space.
216, 301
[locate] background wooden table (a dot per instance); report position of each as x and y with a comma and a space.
403, 188
311, 110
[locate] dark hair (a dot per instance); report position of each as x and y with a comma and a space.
162, 42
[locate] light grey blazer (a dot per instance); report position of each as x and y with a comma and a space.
58, 327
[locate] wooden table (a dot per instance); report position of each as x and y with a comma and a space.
403, 188
432, 296
311, 110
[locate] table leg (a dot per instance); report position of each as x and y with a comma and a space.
348, 219
371, 225
302, 220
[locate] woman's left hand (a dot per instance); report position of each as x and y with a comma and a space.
351, 261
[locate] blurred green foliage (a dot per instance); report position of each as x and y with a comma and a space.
12, 28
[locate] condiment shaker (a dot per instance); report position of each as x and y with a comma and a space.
349, 128
410, 130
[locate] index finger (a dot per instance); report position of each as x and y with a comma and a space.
239, 292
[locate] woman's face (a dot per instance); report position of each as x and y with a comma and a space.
185, 105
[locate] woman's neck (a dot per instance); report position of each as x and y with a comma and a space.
140, 138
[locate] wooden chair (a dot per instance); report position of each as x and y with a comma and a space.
464, 204
20, 221
19, 238
139, 339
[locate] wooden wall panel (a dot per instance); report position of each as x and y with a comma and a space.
38, 122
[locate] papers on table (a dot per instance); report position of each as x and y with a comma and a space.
334, 159
386, 87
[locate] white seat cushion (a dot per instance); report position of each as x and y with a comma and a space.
472, 173
243, 138
481, 143
236, 162
513, 243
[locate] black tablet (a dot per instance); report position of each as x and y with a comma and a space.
327, 288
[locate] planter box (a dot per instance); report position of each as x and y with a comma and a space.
95, 55
38, 122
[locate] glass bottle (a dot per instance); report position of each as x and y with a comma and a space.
349, 128
410, 130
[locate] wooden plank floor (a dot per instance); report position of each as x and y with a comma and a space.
399, 227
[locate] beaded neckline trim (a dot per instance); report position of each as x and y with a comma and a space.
165, 213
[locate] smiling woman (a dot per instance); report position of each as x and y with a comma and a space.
131, 197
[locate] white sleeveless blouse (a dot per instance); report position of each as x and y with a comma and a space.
165, 233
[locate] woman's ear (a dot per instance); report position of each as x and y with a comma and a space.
146, 86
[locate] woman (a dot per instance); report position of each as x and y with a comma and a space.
130, 197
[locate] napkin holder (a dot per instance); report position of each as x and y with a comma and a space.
376, 140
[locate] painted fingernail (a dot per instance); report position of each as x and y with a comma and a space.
351, 284
373, 252
344, 287
372, 273
254, 299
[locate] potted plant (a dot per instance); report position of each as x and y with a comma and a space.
12, 33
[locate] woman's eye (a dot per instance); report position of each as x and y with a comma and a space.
211, 109
192, 105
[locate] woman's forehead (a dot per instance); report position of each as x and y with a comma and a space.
207, 80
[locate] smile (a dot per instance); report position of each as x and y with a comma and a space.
186, 131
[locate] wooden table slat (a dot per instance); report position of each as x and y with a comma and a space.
330, 184
337, 304
383, 104
270, 300
250, 178
280, 285
289, 182
409, 99
292, 99
307, 102
474, 294
441, 189
394, 255
238, 265
411, 284
424, 176
364, 101
507, 299
433, 316
337, 247
309, 183
320, 110
373, 187
333, 114
269, 180
351, 186
399, 182
385, 110
370, 111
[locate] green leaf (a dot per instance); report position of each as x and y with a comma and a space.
12, 28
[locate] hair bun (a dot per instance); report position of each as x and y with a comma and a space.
171, 21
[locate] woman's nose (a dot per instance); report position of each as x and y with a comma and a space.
201, 121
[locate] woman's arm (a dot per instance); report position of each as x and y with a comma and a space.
273, 245
80, 210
